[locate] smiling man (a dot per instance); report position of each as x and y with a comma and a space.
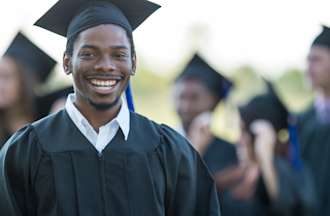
95, 157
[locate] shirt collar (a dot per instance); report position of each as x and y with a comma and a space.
123, 117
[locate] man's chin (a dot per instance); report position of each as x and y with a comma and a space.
104, 106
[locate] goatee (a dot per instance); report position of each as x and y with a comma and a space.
104, 106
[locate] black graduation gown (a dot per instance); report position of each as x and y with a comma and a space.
314, 138
49, 168
218, 156
296, 192
4, 139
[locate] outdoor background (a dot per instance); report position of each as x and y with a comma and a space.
242, 39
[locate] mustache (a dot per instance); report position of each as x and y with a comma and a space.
105, 76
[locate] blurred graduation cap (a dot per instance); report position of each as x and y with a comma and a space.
70, 17
31, 56
45, 102
198, 68
323, 39
269, 107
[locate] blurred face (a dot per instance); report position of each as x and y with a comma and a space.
318, 69
192, 98
9, 83
101, 65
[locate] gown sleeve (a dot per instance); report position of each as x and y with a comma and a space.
190, 189
19, 160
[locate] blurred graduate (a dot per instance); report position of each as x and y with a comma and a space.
271, 176
22, 67
197, 90
314, 123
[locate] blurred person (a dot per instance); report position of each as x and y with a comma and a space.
21, 67
271, 176
314, 123
198, 89
95, 157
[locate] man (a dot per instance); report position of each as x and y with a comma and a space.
94, 157
314, 124
197, 91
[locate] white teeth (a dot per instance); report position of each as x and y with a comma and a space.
103, 83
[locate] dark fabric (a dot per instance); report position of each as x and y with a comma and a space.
31, 56
4, 139
314, 137
49, 168
219, 155
198, 68
44, 103
68, 17
296, 196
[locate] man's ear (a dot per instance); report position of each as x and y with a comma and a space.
67, 66
133, 65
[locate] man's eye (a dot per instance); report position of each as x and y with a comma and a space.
121, 55
87, 54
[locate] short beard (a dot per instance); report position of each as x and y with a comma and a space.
104, 106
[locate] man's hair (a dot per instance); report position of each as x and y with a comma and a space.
71, 41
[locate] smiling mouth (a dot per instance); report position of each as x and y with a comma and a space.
104, 86
103, 83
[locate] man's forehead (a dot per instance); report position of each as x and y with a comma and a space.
112, 34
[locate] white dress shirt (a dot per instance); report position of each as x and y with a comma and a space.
106, 132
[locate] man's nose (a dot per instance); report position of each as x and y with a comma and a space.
105, 64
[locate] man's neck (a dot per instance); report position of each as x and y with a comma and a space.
98, 118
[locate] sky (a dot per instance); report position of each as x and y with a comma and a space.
270, 35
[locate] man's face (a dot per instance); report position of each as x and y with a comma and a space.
192, 98
318, 69
101, 65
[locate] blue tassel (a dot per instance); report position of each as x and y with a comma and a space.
129, 98
294, 146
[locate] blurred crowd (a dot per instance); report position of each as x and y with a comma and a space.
279, 166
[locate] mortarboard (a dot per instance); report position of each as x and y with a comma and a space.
31, 56
198, 68
69, 17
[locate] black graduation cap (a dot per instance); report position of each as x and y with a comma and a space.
45, 102
268, 107
197, 68
323, 38
69, 17
31, 56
